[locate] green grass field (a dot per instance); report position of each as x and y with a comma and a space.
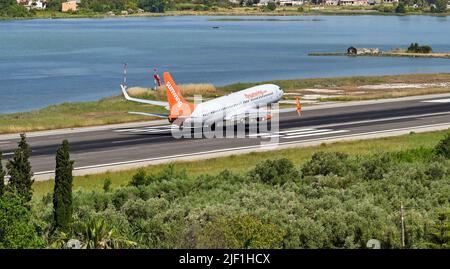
244, 162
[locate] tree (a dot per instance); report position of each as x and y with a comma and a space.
443, 147
6, 3
54, 5
62, 195
271, 5
326, 163
19, 168
441, 6
157, 6
439, 235
16, 229
400, 8
2, 177
10, 8
275, 171
415, 48
138, 179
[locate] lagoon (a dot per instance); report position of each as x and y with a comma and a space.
44, 62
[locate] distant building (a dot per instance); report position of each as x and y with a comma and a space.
332, 2
354, 2
283, 3
388, 2
69, 6
291, 3
362, 51
33, 4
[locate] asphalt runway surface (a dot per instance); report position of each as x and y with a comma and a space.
132, 145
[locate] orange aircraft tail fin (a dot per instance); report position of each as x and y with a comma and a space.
178, 106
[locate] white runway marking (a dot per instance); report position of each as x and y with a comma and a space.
309, 132
8, 153
152, 129
298, 133
316, 134
297, 130
437, 101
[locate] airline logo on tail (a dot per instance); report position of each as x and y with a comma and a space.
174, 94
178, 106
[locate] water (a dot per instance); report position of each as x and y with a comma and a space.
46, 62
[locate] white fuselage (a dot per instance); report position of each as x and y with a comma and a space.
237, 103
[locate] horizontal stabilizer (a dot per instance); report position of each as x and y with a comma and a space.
150, 114
144, 101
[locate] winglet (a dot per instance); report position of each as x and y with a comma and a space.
299, 107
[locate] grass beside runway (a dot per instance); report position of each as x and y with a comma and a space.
115, 109
244, 162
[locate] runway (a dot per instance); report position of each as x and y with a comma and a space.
108, 148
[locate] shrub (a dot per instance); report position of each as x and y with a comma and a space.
443, 147
375, 167
385, 9
136, 209
436, 170
16, 229
326, 163
139, 179
271, 6
241, 232
275, 171
107, 185
439, 233
400, 8
441, 6
120, 197
153, 5
185, 6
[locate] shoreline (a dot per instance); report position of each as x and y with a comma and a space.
440, 55
223, 13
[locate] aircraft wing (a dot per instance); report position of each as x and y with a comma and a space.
256, 113
250, 113
144, 101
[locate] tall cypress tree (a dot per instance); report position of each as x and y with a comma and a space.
2, 177
62, 195
19, 168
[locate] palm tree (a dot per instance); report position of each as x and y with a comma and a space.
96, 234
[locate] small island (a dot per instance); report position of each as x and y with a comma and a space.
414, 50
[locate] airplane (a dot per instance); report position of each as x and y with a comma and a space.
238, 106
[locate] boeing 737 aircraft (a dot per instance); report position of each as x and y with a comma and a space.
245, 104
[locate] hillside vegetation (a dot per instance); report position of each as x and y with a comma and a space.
333, 200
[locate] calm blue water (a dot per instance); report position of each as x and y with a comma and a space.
45, 62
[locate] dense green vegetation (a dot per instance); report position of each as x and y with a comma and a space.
334, 200
98, 8
10, 8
